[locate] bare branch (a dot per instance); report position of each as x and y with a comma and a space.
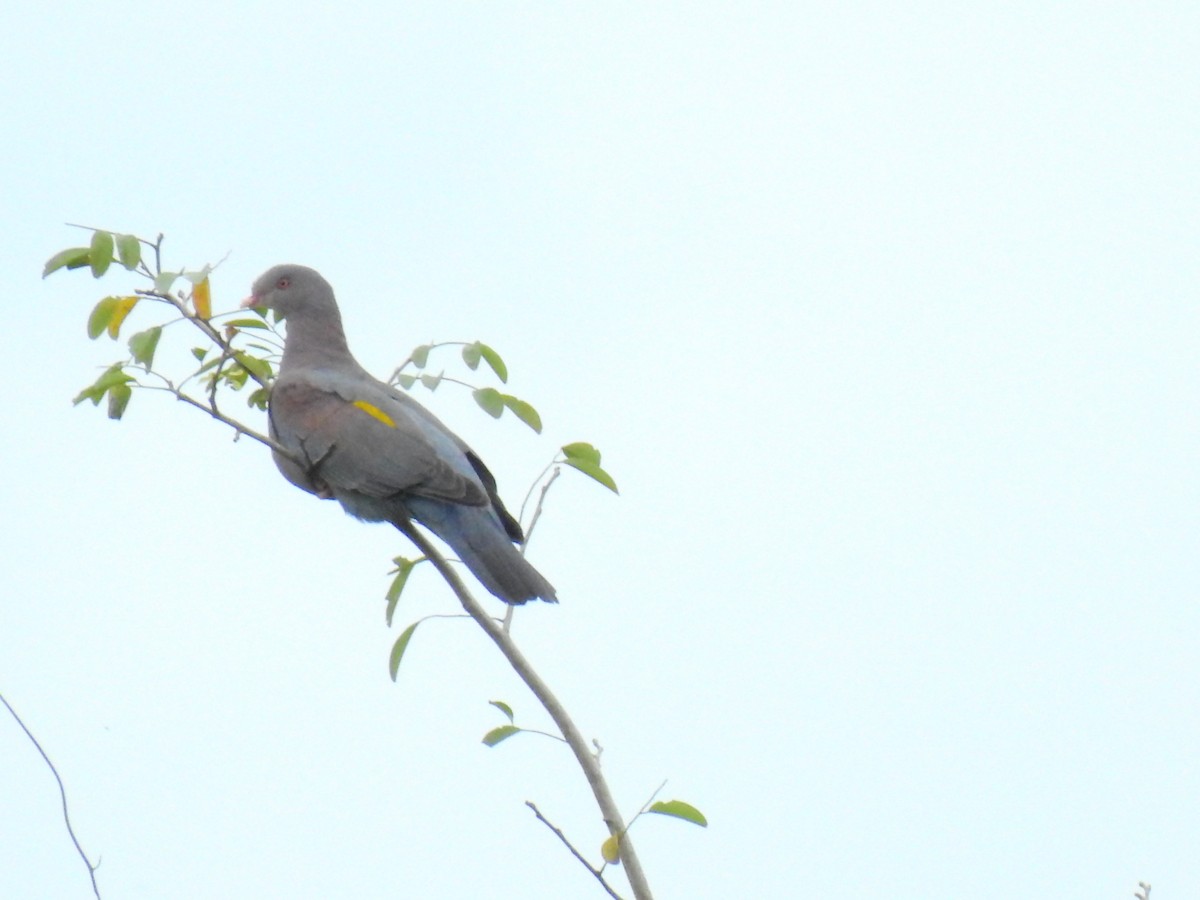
533, 486
237, 426
579, 856
537, 510
62, 791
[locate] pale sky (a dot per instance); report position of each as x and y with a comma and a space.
885, 320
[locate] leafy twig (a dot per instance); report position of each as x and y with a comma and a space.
205, 326
62, 791
645, 806
587, 762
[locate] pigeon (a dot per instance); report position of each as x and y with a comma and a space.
374, 449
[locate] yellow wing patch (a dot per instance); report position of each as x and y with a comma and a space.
375, 412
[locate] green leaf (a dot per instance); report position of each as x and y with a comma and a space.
593, 470
118, 399
500, 733
248, 323
432, 381
236, 377
259, 398
494, 360
112, 376
399, 647
88, 393
255, 366
420, 355
581, 450
406, 381
679, 810
199, 353
490, 400
101, 256
403, 569
471, 354
108, 314
102, 312
71, 258
143, 344
503, 707
129, 251
164, 280
524, 412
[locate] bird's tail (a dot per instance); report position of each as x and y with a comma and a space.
485, 548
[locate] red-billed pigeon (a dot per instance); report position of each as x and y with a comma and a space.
374, 449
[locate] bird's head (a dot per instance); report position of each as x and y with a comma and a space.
290, 289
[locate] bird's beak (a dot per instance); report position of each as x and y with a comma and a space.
249, 302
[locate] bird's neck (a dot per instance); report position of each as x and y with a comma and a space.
312, 342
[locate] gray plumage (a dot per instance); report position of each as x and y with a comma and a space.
374, 449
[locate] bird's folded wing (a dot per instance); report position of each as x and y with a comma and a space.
355, 437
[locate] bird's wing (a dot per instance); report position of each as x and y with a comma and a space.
353, 435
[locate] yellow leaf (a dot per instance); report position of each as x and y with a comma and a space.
202, 299
120, 310
375, 412
611, 850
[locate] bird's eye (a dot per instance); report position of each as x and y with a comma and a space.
283, 283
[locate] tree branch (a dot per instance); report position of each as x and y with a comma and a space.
572, 735
574, 852
236, 425
62, 791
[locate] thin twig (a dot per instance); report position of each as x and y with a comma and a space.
645, 806
62, 791
533, 485
571, 733
395, 377
537, 510
238, 426
216, 381
579, 856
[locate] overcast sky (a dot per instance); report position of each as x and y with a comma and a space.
884, 319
